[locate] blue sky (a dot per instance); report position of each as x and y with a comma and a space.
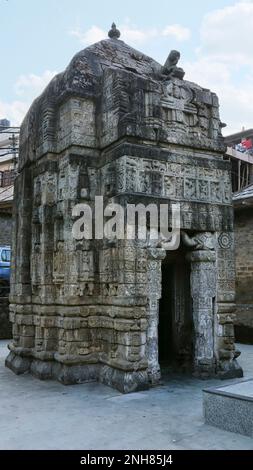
39, 37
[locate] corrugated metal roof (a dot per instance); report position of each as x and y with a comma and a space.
244, 194
238, 135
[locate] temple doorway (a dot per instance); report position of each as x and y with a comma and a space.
175, 330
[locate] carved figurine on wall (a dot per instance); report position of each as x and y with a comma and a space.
170, 68
200, 241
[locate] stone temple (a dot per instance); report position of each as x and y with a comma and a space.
117, 124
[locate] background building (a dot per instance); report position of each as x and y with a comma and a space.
240, 152
9, 140
243, 205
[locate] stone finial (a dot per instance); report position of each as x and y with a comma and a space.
114, 33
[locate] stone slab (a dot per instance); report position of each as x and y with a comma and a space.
230, 407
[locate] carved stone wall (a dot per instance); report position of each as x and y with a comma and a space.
83, 310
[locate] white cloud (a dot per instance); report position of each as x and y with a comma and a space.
207, 72
92, 35
35, 84
14, 111
226, 34
224, 62
26, 88
235, 101
131, 34
181, 33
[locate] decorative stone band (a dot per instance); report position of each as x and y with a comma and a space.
200, 256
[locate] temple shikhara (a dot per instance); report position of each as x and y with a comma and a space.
118, 124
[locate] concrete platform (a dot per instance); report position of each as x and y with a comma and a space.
47, 415
230, 407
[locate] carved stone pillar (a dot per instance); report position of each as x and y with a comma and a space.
155, 257
203, 292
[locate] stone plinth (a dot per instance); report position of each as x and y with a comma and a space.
230, 407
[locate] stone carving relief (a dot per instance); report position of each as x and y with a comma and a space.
172, 180
170, 68
225, 241
183, 110
200, 241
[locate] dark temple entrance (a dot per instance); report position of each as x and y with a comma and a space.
175, 331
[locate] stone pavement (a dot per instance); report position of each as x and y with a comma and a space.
48, 415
